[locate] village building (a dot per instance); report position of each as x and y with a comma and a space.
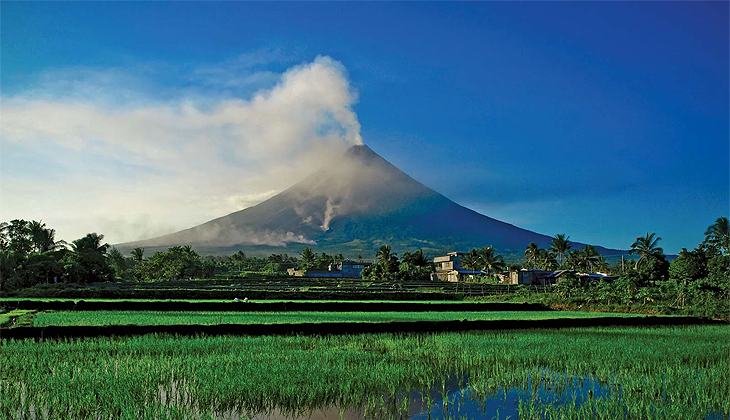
528, 276
544, 277
448, 268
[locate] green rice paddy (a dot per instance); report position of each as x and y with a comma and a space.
101, 318
601, 373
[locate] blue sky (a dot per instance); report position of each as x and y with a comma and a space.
601, 120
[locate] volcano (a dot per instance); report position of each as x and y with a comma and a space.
354, 206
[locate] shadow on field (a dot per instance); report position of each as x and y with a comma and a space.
341, 327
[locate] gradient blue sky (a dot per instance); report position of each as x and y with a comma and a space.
601, 120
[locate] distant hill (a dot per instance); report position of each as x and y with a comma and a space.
352, 206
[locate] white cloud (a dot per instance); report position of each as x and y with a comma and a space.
138, 165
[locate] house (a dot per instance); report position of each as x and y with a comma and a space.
349, 269
450, 261
528, 276
295, 273
543, 277
448, 268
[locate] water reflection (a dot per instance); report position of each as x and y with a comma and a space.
456, 398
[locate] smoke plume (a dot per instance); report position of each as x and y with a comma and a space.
185, 156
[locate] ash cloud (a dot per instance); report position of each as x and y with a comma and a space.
185, 156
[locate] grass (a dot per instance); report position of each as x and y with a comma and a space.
15, 318
647, 373
84, 318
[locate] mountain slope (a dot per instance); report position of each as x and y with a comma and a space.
353, 206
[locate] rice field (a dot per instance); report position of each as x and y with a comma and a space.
102, 318
627, 372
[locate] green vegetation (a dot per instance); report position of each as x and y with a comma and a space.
309, 260
648, 373
696, 282
44, 319
30, 254
485, 261
18, 317
561, 256
413, 266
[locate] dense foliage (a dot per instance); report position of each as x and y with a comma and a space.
387, 267
485, 261
697, 280
30, 254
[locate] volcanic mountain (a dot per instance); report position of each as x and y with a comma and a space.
353, 206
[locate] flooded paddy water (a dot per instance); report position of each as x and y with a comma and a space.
456, 398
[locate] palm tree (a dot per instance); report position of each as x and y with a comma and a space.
138, 255
545, 260
719, 235
646, 247
415, 266
387, 262
36, 229
308, 259
383, 253
117, 261
531, 254
490, 260
560, 245
417, 258
44, 239
601, 264
589, 258
472, 261
89, 254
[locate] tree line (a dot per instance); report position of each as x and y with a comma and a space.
698, 279
30, 254
387, 267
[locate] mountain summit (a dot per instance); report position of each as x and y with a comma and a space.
353, 206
